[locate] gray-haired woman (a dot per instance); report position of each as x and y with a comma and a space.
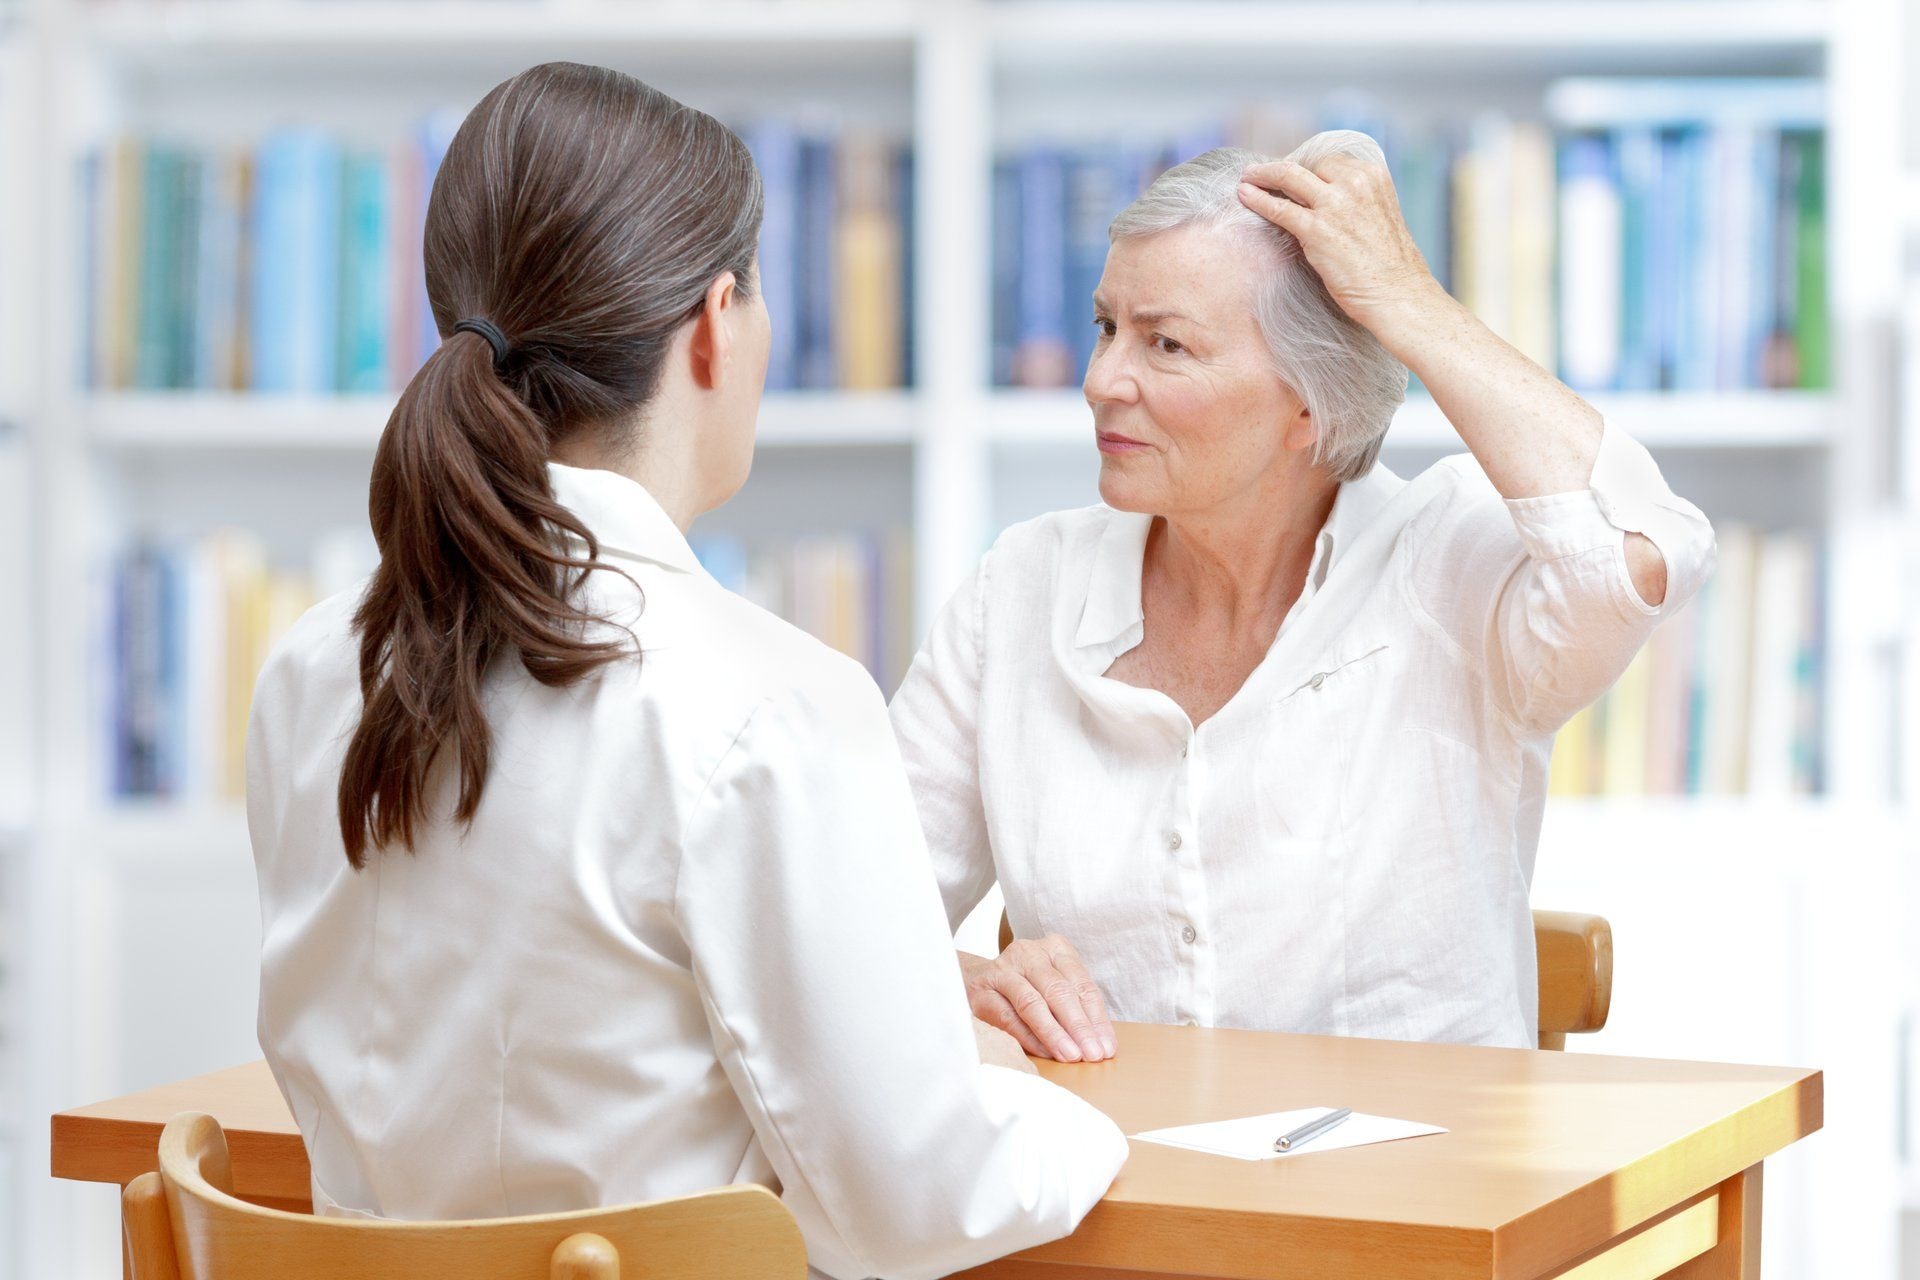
1262, 740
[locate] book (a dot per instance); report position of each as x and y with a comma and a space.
1726, 696
296, 264
853, 591
1652, 234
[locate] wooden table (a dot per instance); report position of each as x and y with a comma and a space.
1565, 1165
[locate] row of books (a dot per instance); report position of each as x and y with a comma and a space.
190, 623
294, 265
853, 591
1726, 698
1648, 235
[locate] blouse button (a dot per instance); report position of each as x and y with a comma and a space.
1319, 678
1183, 751
1187, 934
1173, 841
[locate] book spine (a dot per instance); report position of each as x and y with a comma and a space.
776, 152
1590, 266
819, 215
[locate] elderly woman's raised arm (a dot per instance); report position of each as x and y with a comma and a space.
1604, 547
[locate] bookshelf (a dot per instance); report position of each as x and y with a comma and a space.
951, 459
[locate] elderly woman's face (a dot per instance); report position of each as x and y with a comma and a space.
1186, 405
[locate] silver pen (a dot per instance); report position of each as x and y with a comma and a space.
1311, 1129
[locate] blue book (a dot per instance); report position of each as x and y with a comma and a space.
1042, 353
183, 285
434, 137
1100, 183
903, 172
366, 267
93, 222
1667, 234
1696, 280
1638, 153
153, 317
296, 264
1005, 265
216, 285
776, 153
819, 224
1763, 299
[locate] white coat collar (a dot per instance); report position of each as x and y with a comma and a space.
624, 517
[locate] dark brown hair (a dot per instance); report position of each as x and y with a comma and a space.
584, 214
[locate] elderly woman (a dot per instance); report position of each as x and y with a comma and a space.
1262, 740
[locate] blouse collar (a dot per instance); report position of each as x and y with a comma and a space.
1113, 588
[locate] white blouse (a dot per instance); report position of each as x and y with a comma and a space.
1344, 848
679, 948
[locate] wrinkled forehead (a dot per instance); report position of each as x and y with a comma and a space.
1208, 273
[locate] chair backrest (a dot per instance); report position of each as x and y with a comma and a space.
1575, 956
184, 1223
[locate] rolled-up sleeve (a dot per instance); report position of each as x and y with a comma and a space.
936, 713
835, 1002
1542, 593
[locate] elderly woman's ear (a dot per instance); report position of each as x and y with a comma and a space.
1300, 431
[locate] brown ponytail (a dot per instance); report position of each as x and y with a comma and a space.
584, 215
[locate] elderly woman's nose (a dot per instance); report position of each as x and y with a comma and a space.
1108, 376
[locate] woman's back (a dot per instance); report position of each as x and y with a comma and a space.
657, 960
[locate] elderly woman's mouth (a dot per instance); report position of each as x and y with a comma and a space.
1114, 442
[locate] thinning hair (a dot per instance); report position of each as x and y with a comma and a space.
1350, 384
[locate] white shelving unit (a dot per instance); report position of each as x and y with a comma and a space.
103, 895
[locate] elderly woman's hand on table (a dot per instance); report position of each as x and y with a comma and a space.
1038, 992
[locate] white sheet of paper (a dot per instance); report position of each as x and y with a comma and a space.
1251, 1137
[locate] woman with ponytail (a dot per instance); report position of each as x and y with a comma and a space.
583, 881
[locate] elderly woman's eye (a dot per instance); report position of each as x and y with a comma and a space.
1104, 325
1167, 344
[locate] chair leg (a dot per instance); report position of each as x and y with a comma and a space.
585, 1256
148, 1232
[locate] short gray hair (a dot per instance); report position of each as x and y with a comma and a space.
1350, 383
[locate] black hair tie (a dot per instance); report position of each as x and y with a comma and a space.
491, 332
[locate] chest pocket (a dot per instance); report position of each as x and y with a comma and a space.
1307, 748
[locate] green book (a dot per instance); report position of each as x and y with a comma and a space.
153, 316
1810, 283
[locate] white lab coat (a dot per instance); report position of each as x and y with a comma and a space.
692, 938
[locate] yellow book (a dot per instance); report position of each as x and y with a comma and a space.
241, 561
117, 300
1533, 195
868, 269
1625, 763
1570, 771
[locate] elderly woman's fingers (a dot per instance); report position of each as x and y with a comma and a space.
1064, 1002
1029, 1000
1099, 1025
990, 1007
1295, 181
1278, 210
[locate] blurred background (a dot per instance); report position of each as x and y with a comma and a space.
1700, 212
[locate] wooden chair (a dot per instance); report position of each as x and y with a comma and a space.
1575, 954
183, 1223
